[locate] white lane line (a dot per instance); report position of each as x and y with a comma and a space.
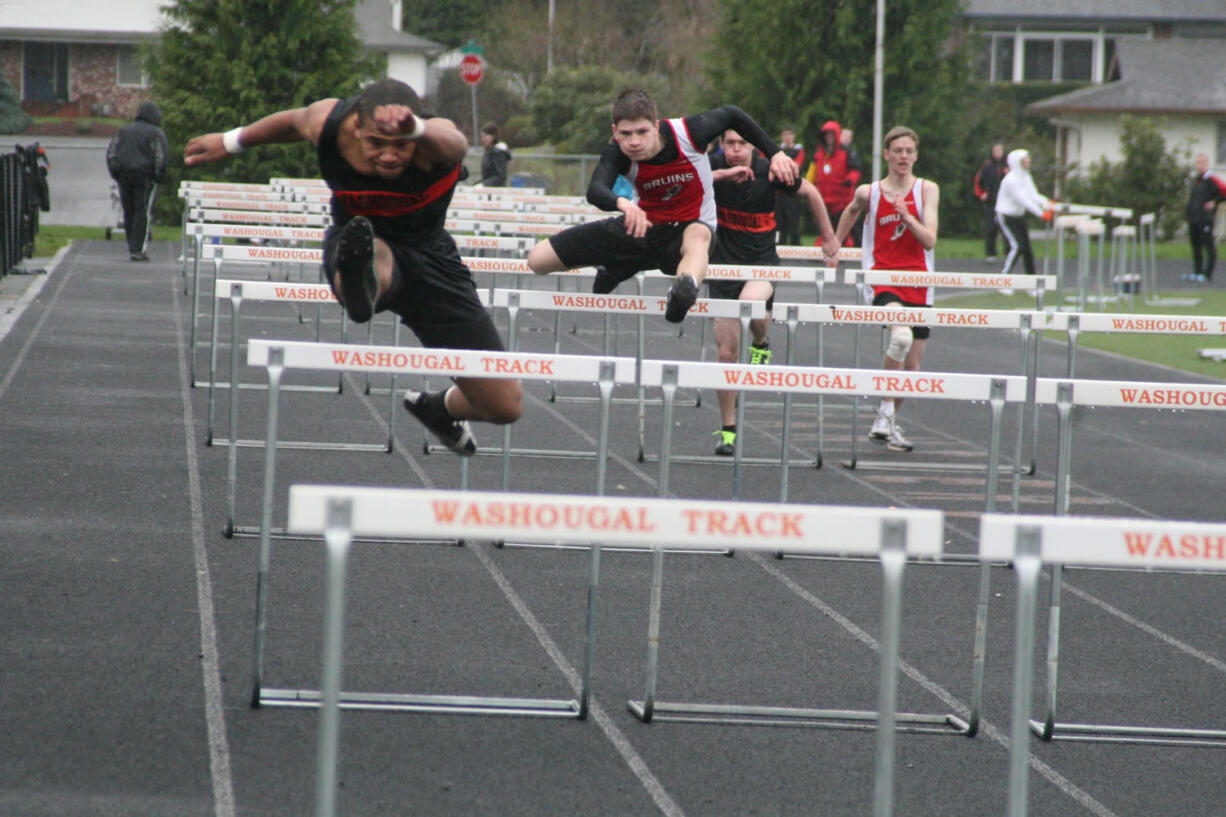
638, 766
1062, 783
214, 714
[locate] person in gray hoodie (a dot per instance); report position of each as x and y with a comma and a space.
136, 159
1017, 195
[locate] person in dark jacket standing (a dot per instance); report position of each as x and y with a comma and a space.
835, 172
987, 184
136, 159
495, 159
788, 206
1207, 191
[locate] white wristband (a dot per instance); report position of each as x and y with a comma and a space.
419, 129
230, 140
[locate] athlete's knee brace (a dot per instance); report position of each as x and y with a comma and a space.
901, 338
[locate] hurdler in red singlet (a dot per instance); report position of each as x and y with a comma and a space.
671, 223
900, 232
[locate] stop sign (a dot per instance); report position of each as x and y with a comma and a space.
471, 68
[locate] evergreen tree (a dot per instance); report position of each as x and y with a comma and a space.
788, 61
224, 63
12, 118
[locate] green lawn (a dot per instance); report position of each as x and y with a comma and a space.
51, 237
1176, 351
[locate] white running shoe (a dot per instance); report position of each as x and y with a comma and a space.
896, 441
880, 432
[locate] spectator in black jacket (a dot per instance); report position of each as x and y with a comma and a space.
987, 184
136, 159
494, 161
1207, 191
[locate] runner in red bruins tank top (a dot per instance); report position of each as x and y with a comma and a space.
392, 173
900, 232
671, 225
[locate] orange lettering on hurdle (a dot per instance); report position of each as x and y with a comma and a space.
1188, 546
764, 523
503, 366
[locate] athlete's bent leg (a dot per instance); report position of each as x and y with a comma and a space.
492, 401
543, 259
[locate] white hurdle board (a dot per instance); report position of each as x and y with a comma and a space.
277, 356
1030, 542
340, 513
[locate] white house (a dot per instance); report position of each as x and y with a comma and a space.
72, 57
1182, 82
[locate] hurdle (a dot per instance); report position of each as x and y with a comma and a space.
234, 218
1065, 394
1030, 542
639, 305
1024, 322
277, 356
569, 366
994, 390
890, 535
340, 513
1074, 324
268, 291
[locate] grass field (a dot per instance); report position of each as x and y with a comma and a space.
1178, 352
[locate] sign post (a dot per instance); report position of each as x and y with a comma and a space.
472, 68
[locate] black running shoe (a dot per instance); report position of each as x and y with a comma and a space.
680, 298
353, 259
604, 282
455, 434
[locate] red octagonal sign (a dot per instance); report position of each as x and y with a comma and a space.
471, 68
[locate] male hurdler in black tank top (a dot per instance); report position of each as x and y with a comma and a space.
432, 291
746, 212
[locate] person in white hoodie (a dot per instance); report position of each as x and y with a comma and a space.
1018, 194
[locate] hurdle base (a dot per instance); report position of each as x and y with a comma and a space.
714, 459
854, 719
253, 531
222, 385
614, 548
911, 465
439, 704
544, 453
1146, 735
290, 445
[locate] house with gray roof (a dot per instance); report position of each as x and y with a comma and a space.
1181, 83
73, 58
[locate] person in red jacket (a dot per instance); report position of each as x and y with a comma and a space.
835, 172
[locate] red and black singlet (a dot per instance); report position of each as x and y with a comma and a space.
411, 206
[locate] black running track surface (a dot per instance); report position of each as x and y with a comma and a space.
126, 616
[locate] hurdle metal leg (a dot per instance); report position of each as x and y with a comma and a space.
1026, 567
886, 719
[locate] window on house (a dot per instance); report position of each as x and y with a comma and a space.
1038, 60
1002, 61
1221, 143
45, 72
128, 69
1076, 60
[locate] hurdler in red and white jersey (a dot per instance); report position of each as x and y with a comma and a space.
675, 185
889, 245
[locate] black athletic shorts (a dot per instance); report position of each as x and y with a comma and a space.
433, 293
731, 291
605, 243
918, 332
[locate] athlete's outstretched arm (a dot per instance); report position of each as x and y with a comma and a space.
830, 247
851, 214
291, 125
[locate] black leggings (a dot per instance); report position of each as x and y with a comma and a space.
1013, 228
